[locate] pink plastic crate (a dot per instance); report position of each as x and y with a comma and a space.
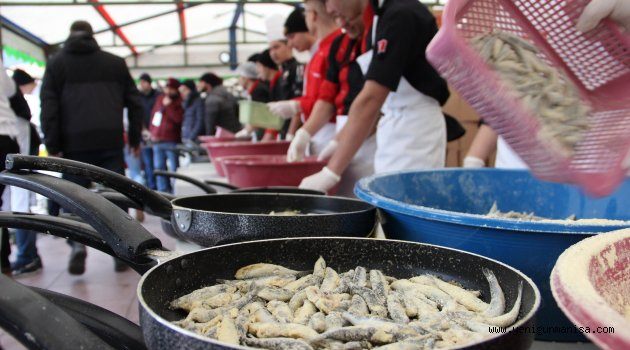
598, 63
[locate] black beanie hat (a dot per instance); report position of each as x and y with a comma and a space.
211, 79
265, 60
81, 27
22, 78
296, 22
146, 77
190, 84
254, 58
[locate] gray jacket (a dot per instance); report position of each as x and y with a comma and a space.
221, 109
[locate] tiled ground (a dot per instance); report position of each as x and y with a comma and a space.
100, 284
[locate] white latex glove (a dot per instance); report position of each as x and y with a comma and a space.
596, 10
473, 162
328, 151
321, 181
298, 146
289, 137
284, 109
243, 133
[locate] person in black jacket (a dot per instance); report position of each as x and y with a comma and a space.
193, 125
27, 260
220, 106
148, 95
83, 95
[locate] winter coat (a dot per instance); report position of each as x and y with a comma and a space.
83, 95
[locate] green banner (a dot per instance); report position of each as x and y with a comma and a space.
21, 56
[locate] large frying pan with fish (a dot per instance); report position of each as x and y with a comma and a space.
170, 275
214, 219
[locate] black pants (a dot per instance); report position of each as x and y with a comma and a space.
7, 145
113, 160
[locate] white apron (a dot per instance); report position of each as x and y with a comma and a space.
411, 134
506, 157
21, 198
322, 138
362, 164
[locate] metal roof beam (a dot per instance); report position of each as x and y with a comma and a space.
112, 24
233, 45
141, 2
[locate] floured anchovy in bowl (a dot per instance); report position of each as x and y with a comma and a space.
556, 103
272, 307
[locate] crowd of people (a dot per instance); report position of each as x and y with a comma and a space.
368, 101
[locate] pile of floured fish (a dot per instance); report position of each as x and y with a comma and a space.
496, 213
562, 115
273, 307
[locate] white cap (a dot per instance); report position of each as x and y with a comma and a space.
275, 28
247, 70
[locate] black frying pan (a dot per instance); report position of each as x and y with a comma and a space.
181, 274
214, 219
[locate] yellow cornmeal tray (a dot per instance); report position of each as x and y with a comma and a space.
257, 114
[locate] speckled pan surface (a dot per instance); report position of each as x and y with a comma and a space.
182, 275
238, 217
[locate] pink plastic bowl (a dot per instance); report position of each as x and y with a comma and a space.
268, 170
591, 284
226, 149
208, 138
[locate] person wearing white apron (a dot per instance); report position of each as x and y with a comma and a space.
485, 142
400, 83
343, 81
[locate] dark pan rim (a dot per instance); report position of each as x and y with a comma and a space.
367, 206
527, 318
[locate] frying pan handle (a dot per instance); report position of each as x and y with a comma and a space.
221, 184
74, 230
200, 184
39, 324
153, 202
117, 331
123, 202
127, 237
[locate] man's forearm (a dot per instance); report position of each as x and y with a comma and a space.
321, 115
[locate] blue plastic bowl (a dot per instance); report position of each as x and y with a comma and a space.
447, 208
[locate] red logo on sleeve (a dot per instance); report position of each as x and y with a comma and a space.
381, 46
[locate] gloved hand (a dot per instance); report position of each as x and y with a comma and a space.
289, 137
321, 181
473, 162
298, 146
596, 10
284, 109
328, 151
243, 133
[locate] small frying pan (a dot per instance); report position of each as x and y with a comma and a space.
179, 274
214, 219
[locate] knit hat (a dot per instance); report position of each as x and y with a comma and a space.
22, 78
275, 29
173, 83
247, 70
253, 58
146, 77
211, 79
190, 84
265, 60
296, 22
